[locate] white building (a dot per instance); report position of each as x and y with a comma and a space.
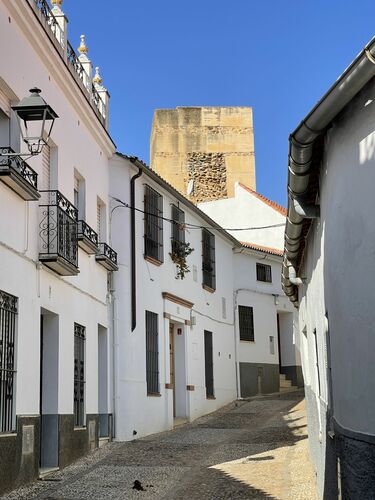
268, 354
175, 346
328, 274
54, 314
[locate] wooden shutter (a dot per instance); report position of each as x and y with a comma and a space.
98, 219
46, 169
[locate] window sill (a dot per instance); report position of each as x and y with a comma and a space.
208, 289
82, 428
210, 397
265, 282
152, 260
247, 341
8, 434
153, 395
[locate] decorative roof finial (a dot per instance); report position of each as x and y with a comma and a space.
83, 49
56, 2
97, 78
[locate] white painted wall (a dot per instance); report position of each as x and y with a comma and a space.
338, 264
82, 145
246, 210
153, 414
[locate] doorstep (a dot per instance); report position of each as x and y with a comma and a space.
44, 472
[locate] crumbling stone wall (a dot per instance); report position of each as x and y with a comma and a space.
209, 174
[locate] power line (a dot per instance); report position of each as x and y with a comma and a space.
194, 226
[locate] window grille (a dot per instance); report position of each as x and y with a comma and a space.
79, 375
178, 231
208, 364
264, 273
246, 323
152, 353
8, 325
208, 259
153, 203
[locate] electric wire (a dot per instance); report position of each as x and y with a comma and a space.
189, 225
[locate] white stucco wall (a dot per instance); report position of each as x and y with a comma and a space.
76, 137
338, 266
148, 414
246, 210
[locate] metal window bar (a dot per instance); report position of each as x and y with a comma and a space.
79, 375
52, 22
208, 364
264, 273
19, 165
153, 222
8, 322
208, 259
152, 353
58, 226
246, 323
178, 231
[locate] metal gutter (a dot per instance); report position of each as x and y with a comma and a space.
303, 154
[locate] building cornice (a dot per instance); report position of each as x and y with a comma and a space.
26, 15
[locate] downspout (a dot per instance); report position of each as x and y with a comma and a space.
133, 249
302, 156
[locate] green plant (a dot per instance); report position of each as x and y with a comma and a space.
180, 250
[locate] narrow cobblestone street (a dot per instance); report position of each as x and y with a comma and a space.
250, 449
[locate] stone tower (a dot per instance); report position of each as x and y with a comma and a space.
203, 151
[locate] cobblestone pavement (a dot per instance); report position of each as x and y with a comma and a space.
250, 449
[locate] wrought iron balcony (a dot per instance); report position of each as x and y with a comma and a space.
107, 257
58, 248
87, 238
18, 175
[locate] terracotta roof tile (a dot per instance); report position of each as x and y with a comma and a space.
270, 250
272, 204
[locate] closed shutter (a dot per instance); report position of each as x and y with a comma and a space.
46, 169
98, 218
208, 364
4, 103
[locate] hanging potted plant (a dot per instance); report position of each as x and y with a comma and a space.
179, 253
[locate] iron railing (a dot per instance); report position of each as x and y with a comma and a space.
74, 61
52, 22
8, 321
108, 252
79, 375
17, 164
58, 227
85, 231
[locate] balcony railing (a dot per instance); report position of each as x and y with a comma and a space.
107, 257
18, 175
88, 239
72, 58
58, 233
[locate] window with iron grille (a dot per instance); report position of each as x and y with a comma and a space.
246, 323
8, 326
208, 364
178, 231
152, 353
264, 273
153, 203
208, 259
79, 375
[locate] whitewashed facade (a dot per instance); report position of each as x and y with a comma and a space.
268, 356
54, 295
328, 274
185, 311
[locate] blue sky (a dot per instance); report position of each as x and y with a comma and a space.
278, 56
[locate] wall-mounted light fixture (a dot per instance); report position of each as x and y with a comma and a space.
36, 119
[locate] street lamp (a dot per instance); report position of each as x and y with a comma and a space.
30, 112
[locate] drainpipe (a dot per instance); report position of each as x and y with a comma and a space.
303, 157
133, 255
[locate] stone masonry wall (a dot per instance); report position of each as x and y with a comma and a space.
209, 174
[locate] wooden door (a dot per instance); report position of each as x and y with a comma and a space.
171, 365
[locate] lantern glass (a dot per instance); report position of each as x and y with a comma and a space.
36, 119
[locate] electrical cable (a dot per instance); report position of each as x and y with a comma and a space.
195, 226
